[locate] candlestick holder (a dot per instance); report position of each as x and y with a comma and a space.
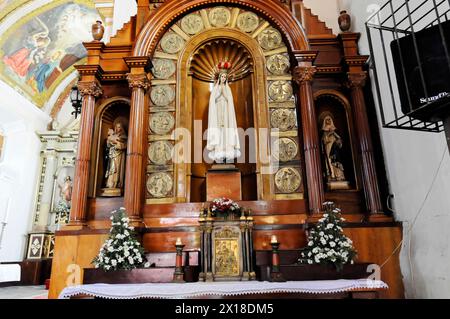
178, 276
275, 273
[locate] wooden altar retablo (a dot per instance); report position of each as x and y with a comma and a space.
157, 73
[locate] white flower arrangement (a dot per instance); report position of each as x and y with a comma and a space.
327, 243
121, 250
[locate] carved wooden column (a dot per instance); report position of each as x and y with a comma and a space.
137, 137
357, 81
303, 75
90, 90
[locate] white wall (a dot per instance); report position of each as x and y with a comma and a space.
412, 160
19, 120
123, 10
327, 10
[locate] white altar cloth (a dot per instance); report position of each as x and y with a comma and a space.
199, 289
9, 272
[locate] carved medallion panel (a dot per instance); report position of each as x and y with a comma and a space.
162, 95
160, 185
278, 64
247, 22
192, 24
172, 43
162, 123
270, 39
288, 180
160, 152
285, 149
281, 91
163, 68
283, 119
219, 17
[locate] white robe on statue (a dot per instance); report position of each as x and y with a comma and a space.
222, 137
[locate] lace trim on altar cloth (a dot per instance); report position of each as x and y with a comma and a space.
199, 289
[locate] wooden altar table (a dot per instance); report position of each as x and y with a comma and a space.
360, 288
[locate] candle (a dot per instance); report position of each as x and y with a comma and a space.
274, 239
178, 243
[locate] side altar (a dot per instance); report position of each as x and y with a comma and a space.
189, 84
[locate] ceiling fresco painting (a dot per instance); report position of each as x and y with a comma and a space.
7, 6
41, 49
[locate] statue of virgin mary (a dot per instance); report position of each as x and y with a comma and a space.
222, 136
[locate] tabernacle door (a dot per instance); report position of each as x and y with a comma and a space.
227, 251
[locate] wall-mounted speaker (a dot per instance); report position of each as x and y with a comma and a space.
424, 92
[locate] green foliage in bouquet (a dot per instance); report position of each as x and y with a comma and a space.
121, 250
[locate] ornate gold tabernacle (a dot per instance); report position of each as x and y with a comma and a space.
226, 247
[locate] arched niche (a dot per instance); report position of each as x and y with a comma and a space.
183, 61
201, 75
336, 105
109, 113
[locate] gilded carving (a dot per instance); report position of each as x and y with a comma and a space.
304, 74
162, 123
270, 39
280, 91
227, 251
160, 152
163, 68
278, 64
172, 43
138, 81
192, 24
89, 88
357, 80
283, 119
248, 22
160, 185
287, 180
219, 17
226, 257
285, 149
162, 95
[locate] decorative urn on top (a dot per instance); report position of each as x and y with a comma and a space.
98, 30
345, 21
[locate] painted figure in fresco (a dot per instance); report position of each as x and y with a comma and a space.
331, 148
32, 52
223, 139
41, 73
117, 145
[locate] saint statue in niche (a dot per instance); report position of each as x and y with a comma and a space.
331, 148
66, 189
115, 153
222, 136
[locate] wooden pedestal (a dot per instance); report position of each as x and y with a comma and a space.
223, 182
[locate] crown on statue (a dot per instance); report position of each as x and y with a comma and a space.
224, 66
